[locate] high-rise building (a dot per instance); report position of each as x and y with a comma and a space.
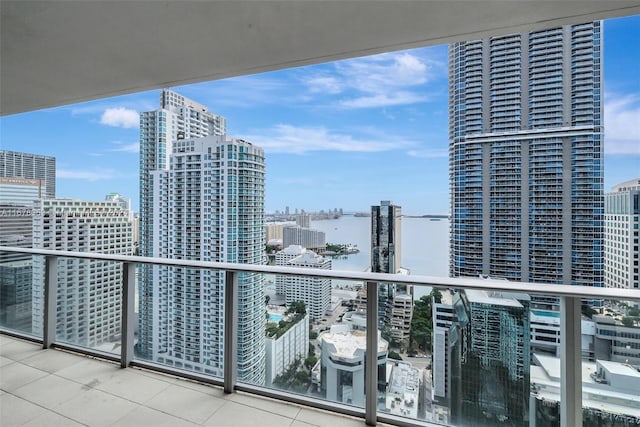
622, 223
315, 292
386, 229
122, 201
89, 291
30, 166
395, 302
24, 179
177, 118
490, 359
303, 219
209, 206
526, 156
306, 237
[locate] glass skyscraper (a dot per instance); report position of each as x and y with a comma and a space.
526, 156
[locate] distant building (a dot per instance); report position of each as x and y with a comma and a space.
609, 393
273, 233
315, 292
306, 237
621, 228
490, 359
443, 317
122, 201
303, 220
283, 351
386, 230
342, 364
395, 302
24, 179
403, 389
30, 166
89, 291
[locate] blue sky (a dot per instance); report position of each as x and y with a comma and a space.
345, 134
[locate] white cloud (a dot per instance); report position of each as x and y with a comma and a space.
622, 124
429, 154
383, 100
120, 117
324, 84
86, 175
388, 79
298, 140
134, 147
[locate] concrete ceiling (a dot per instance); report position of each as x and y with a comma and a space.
61, 52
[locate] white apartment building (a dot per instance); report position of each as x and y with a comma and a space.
208, 206
89, 292
306, 237
315, 292
177, 118
283, 351
621, 235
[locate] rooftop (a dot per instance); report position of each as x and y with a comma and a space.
53, 387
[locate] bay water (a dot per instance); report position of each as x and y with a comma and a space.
424, 245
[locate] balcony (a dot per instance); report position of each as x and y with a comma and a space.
57, 387
92, 386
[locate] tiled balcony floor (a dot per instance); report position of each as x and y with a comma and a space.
57, 388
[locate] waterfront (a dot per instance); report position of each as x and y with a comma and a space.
425, 244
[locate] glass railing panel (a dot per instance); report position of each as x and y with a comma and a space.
89, 303
611, 363
314, 339
181, 318
19, 289
468, 361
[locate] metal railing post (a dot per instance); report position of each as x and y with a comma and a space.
571, 362
371, 356
50, 301
127, 313
230, 331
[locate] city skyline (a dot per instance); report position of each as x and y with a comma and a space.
354, 118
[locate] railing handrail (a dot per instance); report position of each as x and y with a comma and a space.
588, 292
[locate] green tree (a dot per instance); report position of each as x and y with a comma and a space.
628, 321
394, 355
297, 308
436, 295
422, 323
310, 362
313, 335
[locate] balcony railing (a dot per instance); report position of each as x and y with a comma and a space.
569, 297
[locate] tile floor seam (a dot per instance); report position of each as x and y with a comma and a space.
216, 411
266, 410
47, 409
178, 416
127, 414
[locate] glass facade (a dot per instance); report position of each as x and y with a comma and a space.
525, 156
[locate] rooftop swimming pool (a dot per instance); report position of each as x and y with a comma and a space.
275, 317
546, 313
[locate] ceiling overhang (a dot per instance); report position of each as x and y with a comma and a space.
62, 52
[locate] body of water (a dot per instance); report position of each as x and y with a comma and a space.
425, 245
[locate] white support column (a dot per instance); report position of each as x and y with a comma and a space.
571, 362
371, 356
230, 331
50, 301
127, 314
